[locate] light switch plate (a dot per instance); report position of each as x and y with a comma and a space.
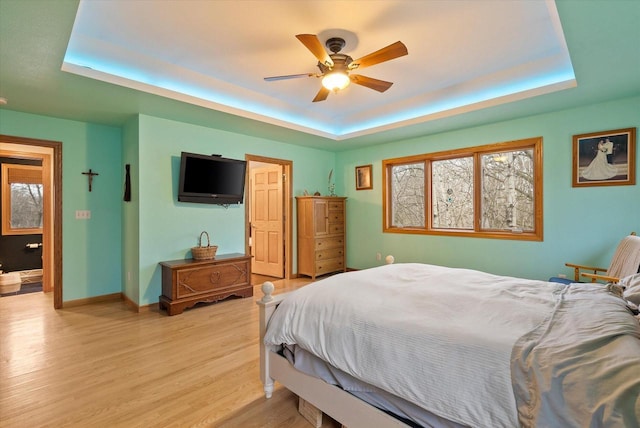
83, 214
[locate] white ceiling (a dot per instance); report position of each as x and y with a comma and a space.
464, 55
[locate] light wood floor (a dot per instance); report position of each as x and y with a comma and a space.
102, 365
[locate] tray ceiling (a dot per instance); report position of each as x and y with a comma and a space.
463, 56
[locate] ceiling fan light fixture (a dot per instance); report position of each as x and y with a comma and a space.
336, 81
335, 67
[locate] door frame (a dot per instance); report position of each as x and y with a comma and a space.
52, 253
287, 209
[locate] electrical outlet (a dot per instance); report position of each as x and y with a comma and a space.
378, 256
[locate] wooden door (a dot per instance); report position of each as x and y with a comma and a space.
320, 217
267, 221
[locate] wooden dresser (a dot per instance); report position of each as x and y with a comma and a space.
187, 282
321, 235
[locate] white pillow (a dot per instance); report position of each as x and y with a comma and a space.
631, 285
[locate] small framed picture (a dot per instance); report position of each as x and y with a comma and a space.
364, 180
604, 158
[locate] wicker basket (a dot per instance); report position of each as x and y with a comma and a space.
204, 253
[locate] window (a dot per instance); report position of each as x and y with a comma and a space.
408, 195
492, 191
22, 208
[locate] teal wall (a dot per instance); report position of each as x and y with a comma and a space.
168, 228
119, 248
582, 225
92, 249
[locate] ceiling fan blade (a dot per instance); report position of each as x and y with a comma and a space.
369, 82
392, 51
289, 76
322, 94
312, 43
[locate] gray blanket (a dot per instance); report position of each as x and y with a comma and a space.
581, 367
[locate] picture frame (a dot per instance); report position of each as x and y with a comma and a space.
605, 158
364, 179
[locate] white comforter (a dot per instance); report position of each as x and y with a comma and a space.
441, 338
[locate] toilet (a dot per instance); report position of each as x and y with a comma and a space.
10, 282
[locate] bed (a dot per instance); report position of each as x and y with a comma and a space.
422, 345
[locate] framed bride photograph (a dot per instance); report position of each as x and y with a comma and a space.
605, 158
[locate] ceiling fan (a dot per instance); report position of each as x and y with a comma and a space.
335, 67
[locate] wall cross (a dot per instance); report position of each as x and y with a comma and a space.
90, 174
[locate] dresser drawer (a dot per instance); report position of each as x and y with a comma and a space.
336, 217
327, 243
336, 206
207, 279
336, 228
329, 254
330, 265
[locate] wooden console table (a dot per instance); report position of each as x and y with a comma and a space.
187, 282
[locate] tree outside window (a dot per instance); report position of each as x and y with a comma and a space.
490, 191
407, 184
452, 193
22, 199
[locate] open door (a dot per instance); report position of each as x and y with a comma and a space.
267, 220
50, 152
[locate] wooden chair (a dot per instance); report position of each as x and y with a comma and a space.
625, 262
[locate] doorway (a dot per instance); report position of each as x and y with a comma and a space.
268, 210
50, 154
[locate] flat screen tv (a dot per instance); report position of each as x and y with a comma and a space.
211, 179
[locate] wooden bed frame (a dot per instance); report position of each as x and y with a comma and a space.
345, 408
